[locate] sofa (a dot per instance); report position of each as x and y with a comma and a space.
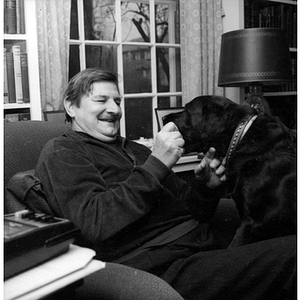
23, 142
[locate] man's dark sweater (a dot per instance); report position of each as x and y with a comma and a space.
117, 194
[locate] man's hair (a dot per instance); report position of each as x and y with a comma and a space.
81, 85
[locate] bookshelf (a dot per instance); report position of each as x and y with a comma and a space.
278, 14
246, 14
23, 34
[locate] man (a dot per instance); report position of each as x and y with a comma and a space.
132, 209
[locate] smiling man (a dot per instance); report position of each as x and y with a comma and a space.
133, 210
98, 113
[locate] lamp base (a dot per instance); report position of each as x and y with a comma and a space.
255, 99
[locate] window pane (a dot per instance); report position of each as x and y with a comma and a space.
167, 26
103, 57
168, 70
99, 20
135, 21
74, 62
138, 113
167, 102
137, 69
177, 23
161, 23
74, 21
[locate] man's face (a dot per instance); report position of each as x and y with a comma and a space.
99, 113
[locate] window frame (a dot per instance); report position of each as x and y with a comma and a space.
172, 46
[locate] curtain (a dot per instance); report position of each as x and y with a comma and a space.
53, 27
200, 35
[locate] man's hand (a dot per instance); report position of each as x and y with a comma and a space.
168, 145
210, 170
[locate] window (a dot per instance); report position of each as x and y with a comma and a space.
140, 41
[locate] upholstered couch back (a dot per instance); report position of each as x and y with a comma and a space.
23, 142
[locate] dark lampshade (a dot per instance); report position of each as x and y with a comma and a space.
254, 55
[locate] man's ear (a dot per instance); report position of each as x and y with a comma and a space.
69, 107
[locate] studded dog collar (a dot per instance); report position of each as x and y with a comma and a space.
239, 133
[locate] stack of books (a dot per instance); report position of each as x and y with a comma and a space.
16, 81
16, 116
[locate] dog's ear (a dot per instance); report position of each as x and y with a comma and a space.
172, 117
194, 110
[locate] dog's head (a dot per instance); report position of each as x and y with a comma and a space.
208, 121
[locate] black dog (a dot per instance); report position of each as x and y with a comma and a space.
260, 166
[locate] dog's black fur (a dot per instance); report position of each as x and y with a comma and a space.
261, 174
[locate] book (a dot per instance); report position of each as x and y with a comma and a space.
16, 117
46, 278
10, 25
4, 17
5, 87
18, 17
24, 75
16, 50
10, 77
22, 16
24, 116
12, 117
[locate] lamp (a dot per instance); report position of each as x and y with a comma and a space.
252, 57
